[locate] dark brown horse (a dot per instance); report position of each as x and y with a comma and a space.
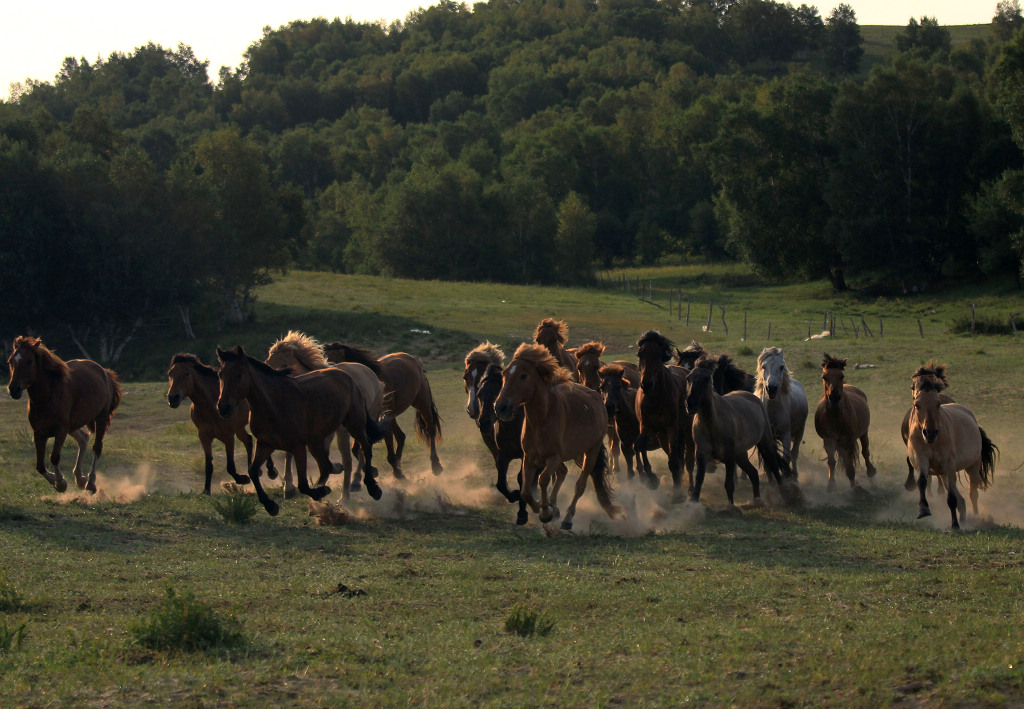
620, 401
564, 421
505, 435
728, 377
189, 378
63, 397
588, 366
405, 385
841, 419
477, 361
945, 439
726, 427
294, 414
661, 407
936, 376
553, 334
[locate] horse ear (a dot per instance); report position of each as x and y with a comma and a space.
220, 354
241, 352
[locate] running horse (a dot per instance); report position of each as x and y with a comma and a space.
553, 334
728, 377
945, 439
725, 428
564, 421
784, 400
588, 366
63, 397
620, 401
841, 419
189, 378
296, 414
405, 385
936, 374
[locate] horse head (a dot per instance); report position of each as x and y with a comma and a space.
653, 351
181, 379
611, 387
588, 362
926, 410
234, 379
477, 362
532, 368
700, 383
771, 371
487, 390
22, 364
687, 357
833, 376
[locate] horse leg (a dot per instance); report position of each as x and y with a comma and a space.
323, 461
357, 476
229, 450
389, 442
614, 443
953, 499
702, 466
501, 463
581, 486
755, 482
206, 441
730, 481
362, 443
399, 448
81, 437
528, 486
689, 447
326, 474
848, 457
289, 486
974, 476
58, 479
909, 483
830, 461
259, 457
867, 456
922, 487
97, 451
521, 517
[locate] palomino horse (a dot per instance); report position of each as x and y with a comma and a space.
728, 377
296, 413
936, 373
303, 354
842, 417
405, 385
726, 427
553, 334
564, 421
62, 398
785, 401
588, 365
190, 379
620, 401
661, 406
944, 439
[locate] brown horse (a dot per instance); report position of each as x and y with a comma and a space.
936, 374
728, 377
588, 366
405, 385
477, 362
944, 439
553, 334
620, 401
564, 421
661, 407
189, 378
841, 419
62, 398
294, 414
726, 427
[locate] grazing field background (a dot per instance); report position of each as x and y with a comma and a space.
848, 601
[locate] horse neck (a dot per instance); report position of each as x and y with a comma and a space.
205, 393
538, 406
263, 389
710, 408
46, 386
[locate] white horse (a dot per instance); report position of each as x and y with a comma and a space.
785, 400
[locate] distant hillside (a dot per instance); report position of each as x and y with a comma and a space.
878, 39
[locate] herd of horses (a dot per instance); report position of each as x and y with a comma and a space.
547, 406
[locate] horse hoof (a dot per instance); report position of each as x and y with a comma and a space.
909, 485
337, 468
271, 507
871, 471
731, 511
355, 487
91, 488
567, 525
271, 474
318, 493
514, 496
60, 485
399, 475
81, 482
242, 479
290, 493
546, 515
653, 482
924, 513
374, 489
522, 518
436, 468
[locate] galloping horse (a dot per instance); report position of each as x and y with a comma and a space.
506, 435
785, 401
190, 379
62, 398
553, 334
296, 413
944, 439
726, 427
661, 406
842, 417
936, 373
564, 421
405, 384
477, 361
588, 366
728, 377
620, 401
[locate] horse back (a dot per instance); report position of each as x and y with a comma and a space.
851, 420
93, 393
370, 387
742, 414
402, 375
958, 446
576, 420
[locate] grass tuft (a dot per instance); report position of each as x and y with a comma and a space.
236, 508
525, 623
187, 624
11, 636
10, 599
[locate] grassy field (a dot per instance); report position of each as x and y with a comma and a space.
849, 601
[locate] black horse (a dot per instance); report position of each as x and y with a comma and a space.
502, 438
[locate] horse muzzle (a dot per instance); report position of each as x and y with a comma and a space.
225, 409
834, 399
773, 391
174, 400
473, 409
15, 391
505, 412
930, 434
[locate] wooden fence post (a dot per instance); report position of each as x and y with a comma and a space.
722, 308
744, 326
973, 319
687, 312
920, 327
769, 332
711, 311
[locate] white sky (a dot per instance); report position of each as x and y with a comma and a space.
34, 39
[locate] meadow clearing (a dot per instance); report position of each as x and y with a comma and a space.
847, 601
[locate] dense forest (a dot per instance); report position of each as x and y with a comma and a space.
514, 140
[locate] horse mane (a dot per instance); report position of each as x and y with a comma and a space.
486, 352
611, 370
551, 372
49, 362
930, 377
359, 355
709, 362
660, 340
733, 378
305, 349
491, 374
787, 378
197, 364
830, 362
236, 353
690, 354
559, 328
597, 348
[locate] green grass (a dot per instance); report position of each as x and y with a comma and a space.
849, 602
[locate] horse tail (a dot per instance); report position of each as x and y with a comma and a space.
429, 430
376, 430
602, 483
989, 453
116, 393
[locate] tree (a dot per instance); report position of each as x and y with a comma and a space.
574, 240
844, 45
924, 38
1007, 20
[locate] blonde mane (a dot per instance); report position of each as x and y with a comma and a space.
301, 348
761, 385
487, 353
550, 371
549, 327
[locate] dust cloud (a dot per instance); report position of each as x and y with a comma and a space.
124, 489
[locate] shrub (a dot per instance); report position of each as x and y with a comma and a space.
526, 623
185, 623
982, 326
236, 508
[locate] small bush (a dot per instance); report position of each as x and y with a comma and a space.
744, 351
525, 623
11, 637
185, 623
982, 326
236, 508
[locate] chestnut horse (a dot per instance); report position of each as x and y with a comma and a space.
944, 439
62, 398
725, 428
564, 421
784, 400
405, 385
553, 334
620, 401
936, 373
841, 419
296, 413
588, 365
189, 378
661, 407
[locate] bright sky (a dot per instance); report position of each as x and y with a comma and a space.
34, 39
